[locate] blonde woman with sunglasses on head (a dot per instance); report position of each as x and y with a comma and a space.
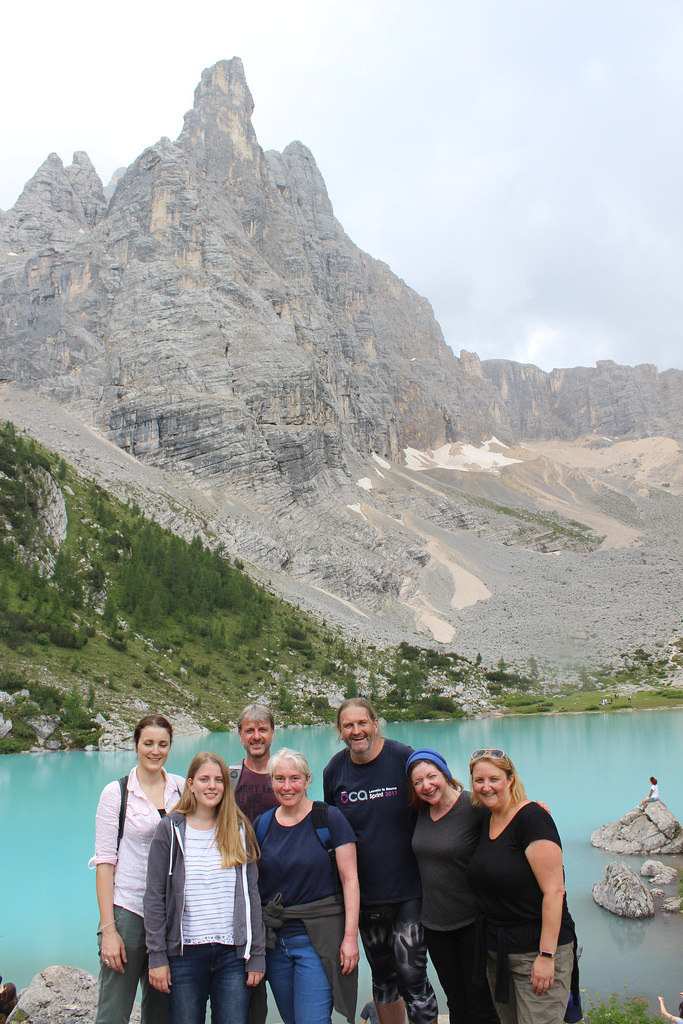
517, 875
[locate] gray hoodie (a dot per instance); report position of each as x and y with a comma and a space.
164, 900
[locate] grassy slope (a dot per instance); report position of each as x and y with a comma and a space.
124, 613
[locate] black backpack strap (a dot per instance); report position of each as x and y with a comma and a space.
123, 784
319, 820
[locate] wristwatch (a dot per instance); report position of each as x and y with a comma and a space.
542, 952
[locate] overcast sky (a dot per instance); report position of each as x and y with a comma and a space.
518, 162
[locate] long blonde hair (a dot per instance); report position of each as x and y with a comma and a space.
234, 835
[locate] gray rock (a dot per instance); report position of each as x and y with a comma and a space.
60, 995
659, 873
672, 905
606, 399
42, 725
5, 726
654, 830
622, 892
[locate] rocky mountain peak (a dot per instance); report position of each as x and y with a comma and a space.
55, 204
218, 136
89, 200
300, 182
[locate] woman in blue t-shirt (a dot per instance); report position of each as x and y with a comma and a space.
313, 927
517, 875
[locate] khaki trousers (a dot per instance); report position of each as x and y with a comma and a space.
525, 1007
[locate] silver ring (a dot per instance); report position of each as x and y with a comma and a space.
106, 961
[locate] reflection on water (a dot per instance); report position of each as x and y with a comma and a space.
627, 935
590, 769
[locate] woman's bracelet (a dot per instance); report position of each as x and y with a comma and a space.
103, 926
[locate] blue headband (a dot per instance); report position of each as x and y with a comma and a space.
425, 754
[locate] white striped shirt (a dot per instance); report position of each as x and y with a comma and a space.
209, 891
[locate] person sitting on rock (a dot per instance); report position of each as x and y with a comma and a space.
652, 796
669, 1016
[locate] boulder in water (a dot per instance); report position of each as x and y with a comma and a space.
658, 873
654, 830
622, 892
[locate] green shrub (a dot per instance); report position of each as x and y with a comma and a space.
10, 682
633, 1010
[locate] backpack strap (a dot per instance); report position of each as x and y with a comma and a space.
123, 785
235, 771
263, 827
319, 820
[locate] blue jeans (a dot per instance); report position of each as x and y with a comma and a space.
298, 980
208, 971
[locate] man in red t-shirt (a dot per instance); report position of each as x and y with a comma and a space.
250, 778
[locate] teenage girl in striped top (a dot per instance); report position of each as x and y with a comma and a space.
205, 935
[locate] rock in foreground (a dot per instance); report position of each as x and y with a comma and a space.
622, 892
654, 830
60, 995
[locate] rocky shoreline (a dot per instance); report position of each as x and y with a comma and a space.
653, 830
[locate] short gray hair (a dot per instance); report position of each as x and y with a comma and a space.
256, 713
293, 756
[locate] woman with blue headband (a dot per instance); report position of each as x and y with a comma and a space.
446, 833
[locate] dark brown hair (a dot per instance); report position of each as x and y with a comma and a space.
155, 721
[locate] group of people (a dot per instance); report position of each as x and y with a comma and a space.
209, 883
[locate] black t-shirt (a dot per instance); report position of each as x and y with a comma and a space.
373, 797
505, 886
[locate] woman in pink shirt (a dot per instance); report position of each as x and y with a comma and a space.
121, 863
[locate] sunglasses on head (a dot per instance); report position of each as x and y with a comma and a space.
489, 752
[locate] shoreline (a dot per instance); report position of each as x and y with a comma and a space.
482, 716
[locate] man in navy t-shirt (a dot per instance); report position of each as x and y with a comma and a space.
368, 783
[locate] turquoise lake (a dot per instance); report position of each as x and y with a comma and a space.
590, 769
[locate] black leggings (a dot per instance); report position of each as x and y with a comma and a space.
452, 954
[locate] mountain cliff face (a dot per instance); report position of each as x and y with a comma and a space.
214, 315
604, 399
210, 317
